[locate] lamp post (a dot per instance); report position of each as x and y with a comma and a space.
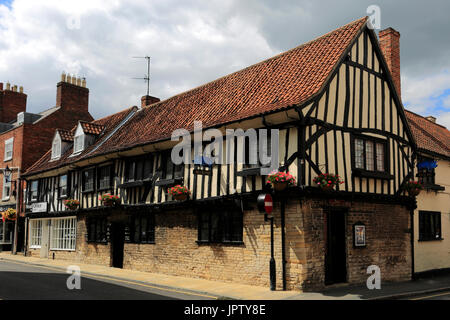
7, 172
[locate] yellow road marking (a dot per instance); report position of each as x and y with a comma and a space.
113, 279
432, 296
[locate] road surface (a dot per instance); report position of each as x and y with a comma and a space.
25, 281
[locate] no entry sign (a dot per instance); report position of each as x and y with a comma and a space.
265, 203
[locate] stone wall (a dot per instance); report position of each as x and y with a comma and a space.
176, 251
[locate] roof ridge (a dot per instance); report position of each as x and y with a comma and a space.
277, 56
432, 137
438, 124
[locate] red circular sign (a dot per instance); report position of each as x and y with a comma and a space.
268, 204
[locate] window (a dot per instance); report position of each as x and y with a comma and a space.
62, 188
35, 233
429, 226
88, 180
6, 188
34, 191
426, 171
9, 149
56, 147
171, 171
97, 229
104, 177
143, 229
370, 154
63, 235
6, 231
78, 142
257, 151
221, 225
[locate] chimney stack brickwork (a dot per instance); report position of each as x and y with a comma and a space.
72, 94
148, 100
12, 102
390, 46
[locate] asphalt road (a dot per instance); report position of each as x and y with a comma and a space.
24, 281
445, 295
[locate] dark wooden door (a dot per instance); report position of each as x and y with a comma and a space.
335, 258
117, 243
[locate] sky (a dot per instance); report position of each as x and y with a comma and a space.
193, 42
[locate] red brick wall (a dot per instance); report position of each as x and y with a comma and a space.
11, 103
390, 46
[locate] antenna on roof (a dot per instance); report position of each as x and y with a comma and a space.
147, 76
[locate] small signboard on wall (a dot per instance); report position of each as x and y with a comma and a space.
359, 235
39, 207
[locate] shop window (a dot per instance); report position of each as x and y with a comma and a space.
63, 234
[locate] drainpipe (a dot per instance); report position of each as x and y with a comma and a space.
412, 243
283, 242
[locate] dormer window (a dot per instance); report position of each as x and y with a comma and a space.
78, 142
56, 147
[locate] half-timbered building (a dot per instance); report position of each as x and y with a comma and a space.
336, 109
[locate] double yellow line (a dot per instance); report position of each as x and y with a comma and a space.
432, 296
115, 280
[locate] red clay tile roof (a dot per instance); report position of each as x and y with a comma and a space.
66, 135
429, 136
91, 128
109, 123
288, 79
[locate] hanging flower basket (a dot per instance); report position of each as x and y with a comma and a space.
413, 188
109, 200
179, 192
9, 214
327, 181
71, 204
281, 180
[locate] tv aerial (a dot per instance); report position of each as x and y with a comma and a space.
147, 76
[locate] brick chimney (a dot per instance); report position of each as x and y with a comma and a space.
148, 100
12, 102
72, 94
390, 46
431, 118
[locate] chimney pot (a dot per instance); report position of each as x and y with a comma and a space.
83, 82
431, 118
15, 88
63, 77
8, 86
21, 89
1, 86
148, 100
390, 46
78, 82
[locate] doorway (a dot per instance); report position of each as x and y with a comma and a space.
335, 257
117, 243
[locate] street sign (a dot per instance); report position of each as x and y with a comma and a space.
265, 203
39, 207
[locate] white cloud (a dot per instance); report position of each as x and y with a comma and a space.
189, 45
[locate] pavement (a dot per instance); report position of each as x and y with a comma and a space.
207, 289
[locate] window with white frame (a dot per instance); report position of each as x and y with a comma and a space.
33, 191
56, 147
35, 233
63, 234
78, 142
9, 149
6, 188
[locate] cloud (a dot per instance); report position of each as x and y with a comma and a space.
192, 42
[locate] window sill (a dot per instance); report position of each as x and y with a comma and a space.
88, 191
433, 187
6, 160
250, 172
35, 247
230, 243
131, 184
428, 240
168, 182
53, 249
372, 174
6, 199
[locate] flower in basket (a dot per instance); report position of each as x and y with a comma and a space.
71, 204
281, 180
327, 181
10, 214
179, 192
413, 187
109, 200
